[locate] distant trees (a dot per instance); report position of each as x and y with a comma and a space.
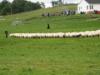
17, 6
42, 5
5, 7
54, 3
57, 3
60, 1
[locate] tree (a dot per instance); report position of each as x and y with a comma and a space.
42, 5
28, 6
5, 7
54, 3
17, 6
60, 1
36, 6
23, 5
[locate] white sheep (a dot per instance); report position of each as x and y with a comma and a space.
56, 35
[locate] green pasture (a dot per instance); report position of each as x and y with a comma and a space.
49, 56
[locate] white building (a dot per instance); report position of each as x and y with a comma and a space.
88, 6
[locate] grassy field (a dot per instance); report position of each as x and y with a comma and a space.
66, 56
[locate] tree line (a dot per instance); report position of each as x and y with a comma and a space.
17, 6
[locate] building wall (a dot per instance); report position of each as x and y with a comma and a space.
83, 6
96, 7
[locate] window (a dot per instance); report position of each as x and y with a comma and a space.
79, 8
91, 6
87, 7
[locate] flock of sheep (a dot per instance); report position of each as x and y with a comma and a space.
56, 35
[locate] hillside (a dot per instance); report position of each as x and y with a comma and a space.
27, 19
49, 56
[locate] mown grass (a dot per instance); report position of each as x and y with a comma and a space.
70, 56
56, 56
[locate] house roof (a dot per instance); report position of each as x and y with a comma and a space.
93, 1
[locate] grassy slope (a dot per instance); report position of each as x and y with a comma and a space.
70, 56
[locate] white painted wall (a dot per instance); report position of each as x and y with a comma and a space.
96, 7
83, 6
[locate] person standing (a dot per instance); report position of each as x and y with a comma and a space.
48, 26
6, 34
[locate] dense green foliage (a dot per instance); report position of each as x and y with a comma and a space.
5, 7
17, 6
66, 56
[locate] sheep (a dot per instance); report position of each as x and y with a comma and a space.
97, 32
83, 34
75, 34
91, 34
47, 35
42, 35
11, 35
18, 35
56, 35
51, 35
67, 34
60, 35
